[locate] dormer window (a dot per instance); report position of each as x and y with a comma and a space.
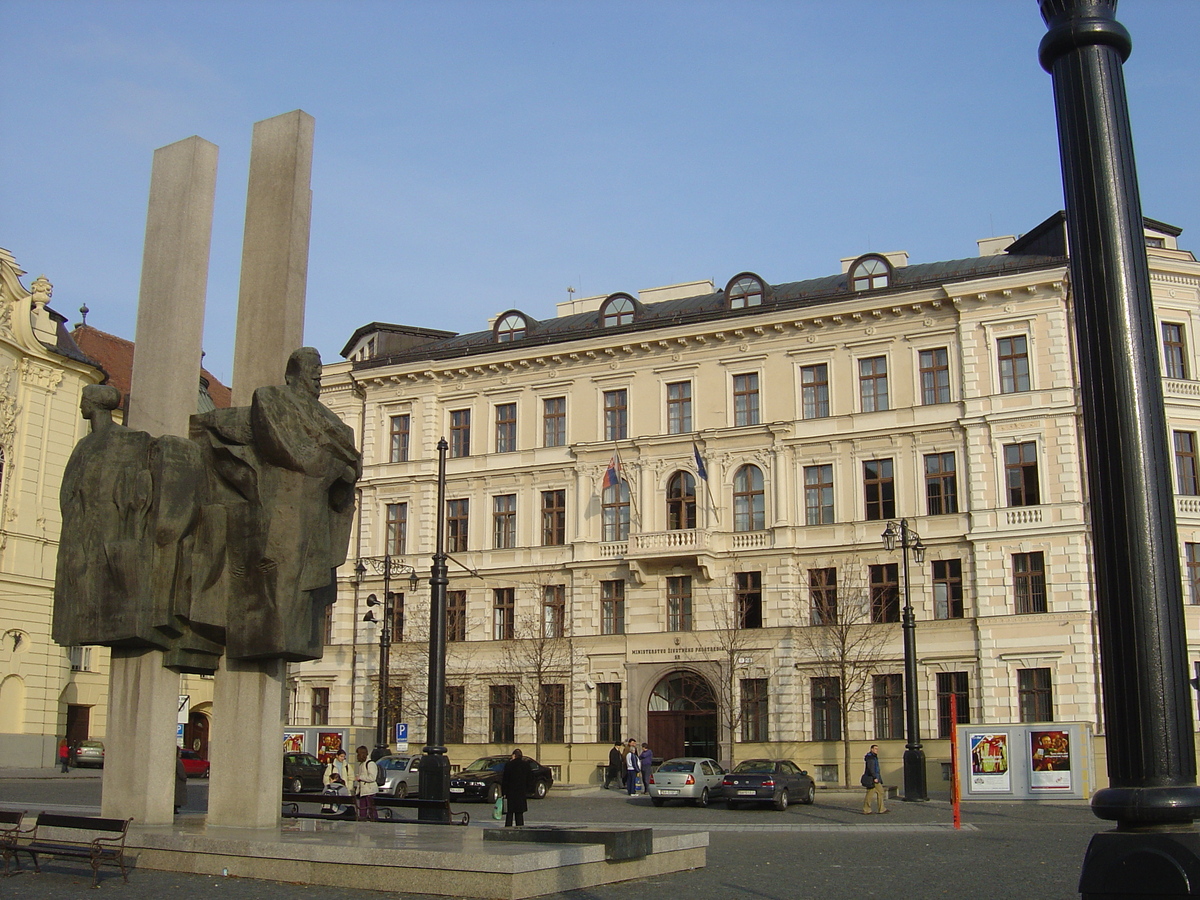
618, 310
510, 327
744, 291
869, 273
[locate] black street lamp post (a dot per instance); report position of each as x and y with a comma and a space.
387, 566
435, 767
900, 535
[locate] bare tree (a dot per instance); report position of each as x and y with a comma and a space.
537, 657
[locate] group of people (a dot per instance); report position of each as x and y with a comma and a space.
359, 780
626, 764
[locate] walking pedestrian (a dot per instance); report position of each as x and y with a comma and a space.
181, 790
514, 786
64, 755
366, 785
872, 780
632, 766
615, 765
646, 763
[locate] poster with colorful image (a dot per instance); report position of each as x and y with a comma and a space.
328, 744
989, 762
1049, 761
293, 742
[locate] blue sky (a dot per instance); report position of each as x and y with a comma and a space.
474, 156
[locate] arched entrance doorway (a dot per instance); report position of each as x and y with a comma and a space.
195, 733
682, 717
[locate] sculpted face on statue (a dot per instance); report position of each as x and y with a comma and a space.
304, 371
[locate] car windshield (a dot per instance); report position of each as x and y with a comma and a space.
393, 763
487, 764
675, 766
755, 767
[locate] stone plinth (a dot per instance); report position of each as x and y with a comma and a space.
619, 842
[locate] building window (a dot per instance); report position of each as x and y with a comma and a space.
618, 310
320, 706
502, 713
608, 712
397, 603
460, 432
510, 328
504, 521
748, 599
399, 439
80, 657
745, 399
1029, 582
814, 388
456, 713
746, 291
506, 427
614, 512
679, 407
616, 415
749, 502
456, 615
754, 709
948, 684
393, 708
554, 421
554, 610
1021, 474
1192, 558
947, 588
872, 383
826, 713
554, 713
885, 593
397, 528
879, 489
554, 518
822, 590
1186, 473
889, 706
679, 603
869, 273
503, 613
935, 376
458, 518
1035, 695
612, 607
818, 495
1013, 353
1174, 351
941, 484
681, 501
327, 626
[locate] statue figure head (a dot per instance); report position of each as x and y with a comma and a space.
98, 402
304, 371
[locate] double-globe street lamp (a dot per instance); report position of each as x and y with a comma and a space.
898, 534
389, 567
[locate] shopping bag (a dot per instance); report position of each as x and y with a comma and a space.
498, 809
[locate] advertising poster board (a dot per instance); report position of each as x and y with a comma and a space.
328, 744
990, 762
293, 742
1049, 761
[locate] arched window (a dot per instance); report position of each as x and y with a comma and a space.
618, 310
614, 512
749, 505
870, 272
681, 501
745, 290
510, 327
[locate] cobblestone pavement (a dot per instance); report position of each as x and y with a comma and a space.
828, 851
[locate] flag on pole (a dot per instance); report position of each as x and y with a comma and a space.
700, 470
612, 476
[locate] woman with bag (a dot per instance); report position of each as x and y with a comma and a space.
514, 787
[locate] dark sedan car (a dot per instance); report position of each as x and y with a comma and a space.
302, 772
777, 781
481, 779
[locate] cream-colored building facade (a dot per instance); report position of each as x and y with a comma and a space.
702, 613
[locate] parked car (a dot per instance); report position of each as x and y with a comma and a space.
481, 779
194, 764
398, 775
302, 773
693, 778
90, 753
777, 781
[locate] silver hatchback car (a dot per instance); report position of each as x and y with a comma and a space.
398, 776
693, 778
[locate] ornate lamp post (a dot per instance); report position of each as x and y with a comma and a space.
388, 567
899, 534
435, 766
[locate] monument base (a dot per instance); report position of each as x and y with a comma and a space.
1129, 864
415, 858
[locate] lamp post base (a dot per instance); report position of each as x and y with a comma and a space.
435, 784
1126, 864
914, 775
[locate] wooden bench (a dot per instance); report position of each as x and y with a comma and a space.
10, 830
97, 840
383, 804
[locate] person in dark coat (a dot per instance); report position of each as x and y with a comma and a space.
616, 766
181, 791
514, 786
646, 762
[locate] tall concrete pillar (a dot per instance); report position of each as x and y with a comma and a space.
143, 697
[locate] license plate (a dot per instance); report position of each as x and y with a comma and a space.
667, 793
747, 793
456, 790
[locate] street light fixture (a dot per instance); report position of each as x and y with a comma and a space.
900, 535
387, 566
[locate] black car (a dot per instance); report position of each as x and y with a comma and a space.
481, 779
302, 773
776, 781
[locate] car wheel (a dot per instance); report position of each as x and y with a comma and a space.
657, 801
540, 789
810, 795
703, 801
493, 793
401, 790
781, 802
294, 786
